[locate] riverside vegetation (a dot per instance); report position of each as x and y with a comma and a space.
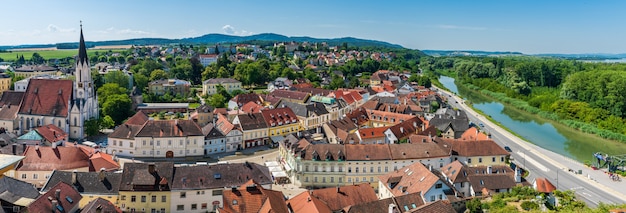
585, 96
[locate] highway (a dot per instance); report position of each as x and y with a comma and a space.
543, 163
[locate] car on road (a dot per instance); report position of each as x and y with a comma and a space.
508, 149
481, 125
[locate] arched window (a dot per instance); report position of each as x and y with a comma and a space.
75, 123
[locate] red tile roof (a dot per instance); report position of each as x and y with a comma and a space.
544, 185
104, 161
251, 107
474, 148
473, 134
47, 97
279, 117
414, 178
303, 85
68, 199
361, 152
242, 99
304, 203
45, 158
338, 198
252, 198
439, 206
374, 132
52, 133
170, 128
139, 118
292, 95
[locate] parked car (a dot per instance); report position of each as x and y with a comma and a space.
508, 149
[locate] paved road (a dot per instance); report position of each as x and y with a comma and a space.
591, 186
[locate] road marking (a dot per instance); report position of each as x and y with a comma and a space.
533, 162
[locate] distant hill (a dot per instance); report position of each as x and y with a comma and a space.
468, 53
214, 38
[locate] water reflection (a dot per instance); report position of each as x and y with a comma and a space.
542, 132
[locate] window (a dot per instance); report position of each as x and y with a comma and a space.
158, 143
480, 160
131, 144
364, 179
332, 179
163, 199
340, 180
143, 198
441, 196
315, 179
462, 185
349, 169
35, 176
438, 186
123, 197
501, 159
432, 198
340, 168
349, 180
162, 210
356, 170
133, 198
386, 169
121, 143
153, 199
194, 206
379, 170
169, 142
469, 160
183, 194
180, 207
203, 206
217, 192
323, 179
493, 159
306, 179
372, 169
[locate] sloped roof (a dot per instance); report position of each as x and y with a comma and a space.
101, 205
137, 176
47, 97
439, 206
219, 176
220, 81
210, 132
473, 134
414, 178
544, 185
243, 99
374, 132
104, 161
138, 118
250, 197
367, 152
69, 198
87, 182
223, 124
11, 98
491, 182
12, 190
455, 171
252, 121
251, 107
170, 128
45, 158
279, 117
475, 148
304, 203
51, 133
418, 151
293, 95
372, 206
408, 127
338, 198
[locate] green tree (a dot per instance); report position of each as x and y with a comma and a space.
119, 78
107, 122
117, 107
109, 89
141, 81
158, 74
37, 59
217, 101
474, 205
92, 127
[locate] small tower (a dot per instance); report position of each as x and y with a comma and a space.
84, 105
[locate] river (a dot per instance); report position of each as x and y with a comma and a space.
545, 133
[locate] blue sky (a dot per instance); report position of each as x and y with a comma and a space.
528, 26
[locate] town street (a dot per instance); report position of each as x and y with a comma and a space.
592, 186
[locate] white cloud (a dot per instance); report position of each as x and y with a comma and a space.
455, 27
113, 30
230, 30
54, 28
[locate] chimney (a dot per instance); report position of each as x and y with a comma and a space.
391, 208
151, 168
402, 130
14, 149
54, 204
308, 198
489, 170
57, 194
338, 189
518, 175
430, 167
458, 112
74, 180
102, 174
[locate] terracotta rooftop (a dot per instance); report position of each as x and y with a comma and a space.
374, 132
67, 200
45, 158
251, 107
139, 118
155, 176
544, 185
47, 97
252, 121
11, 98
170, 128
474, 148
101, 160
52, 133
414, 178
251, 197
243, 99
305, 203
473, 134
101, 205
338, 198
439, 206
279, 117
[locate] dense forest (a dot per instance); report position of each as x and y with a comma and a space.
587, 96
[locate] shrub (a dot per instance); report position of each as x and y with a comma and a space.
529, 205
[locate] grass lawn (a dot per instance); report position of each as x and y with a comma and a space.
194, 105
48, 54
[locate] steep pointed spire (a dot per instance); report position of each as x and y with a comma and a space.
82, 49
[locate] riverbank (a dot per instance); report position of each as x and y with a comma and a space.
537, 130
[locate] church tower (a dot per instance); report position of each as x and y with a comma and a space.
84, 104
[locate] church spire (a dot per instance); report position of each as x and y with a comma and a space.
82, 49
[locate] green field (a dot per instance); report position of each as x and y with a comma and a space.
48, 54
